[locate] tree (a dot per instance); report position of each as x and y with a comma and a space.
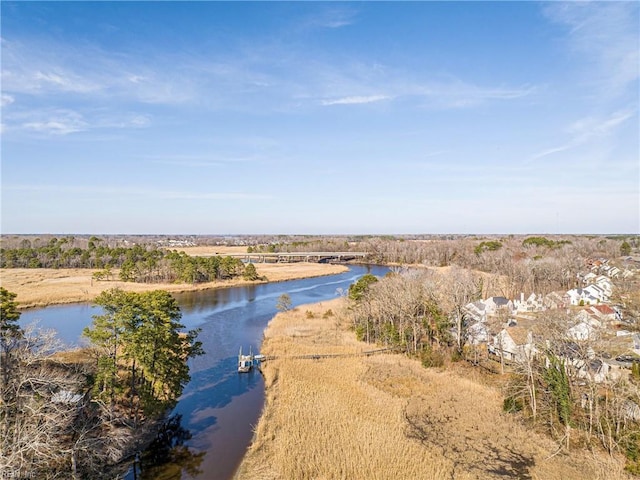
625, 249
10, 337
284, 303
107, 335
140, 333
250, 272
358, 289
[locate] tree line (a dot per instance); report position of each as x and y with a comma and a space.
75, 418
137, 263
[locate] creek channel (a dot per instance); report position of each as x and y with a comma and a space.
215, 416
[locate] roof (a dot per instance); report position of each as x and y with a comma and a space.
518, 334
500, 300
604, 309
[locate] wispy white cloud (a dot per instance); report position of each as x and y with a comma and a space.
587, 129
56, 121
330, 17
355, 100
60, 122
606, 35
456, 93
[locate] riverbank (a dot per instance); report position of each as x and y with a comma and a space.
40, 287
387, 417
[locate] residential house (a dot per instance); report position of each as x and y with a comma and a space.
598, 292
582, 331
584, 364
477, 333
604, 313
494, 304
604, 283
533, 303
577, 296
554, 300
514, 344
476, 311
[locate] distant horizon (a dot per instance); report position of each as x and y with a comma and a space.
320, 116
397, 234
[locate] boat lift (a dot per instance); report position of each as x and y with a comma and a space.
247, 362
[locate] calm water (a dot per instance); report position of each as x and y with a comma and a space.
218, 407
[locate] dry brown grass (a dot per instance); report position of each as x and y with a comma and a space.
386, 417
42, 286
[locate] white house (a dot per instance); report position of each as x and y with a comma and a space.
513, 344
582, 331
604, 283
533, 303
577, 295
493, 304
476, 311
597, 292
477, 333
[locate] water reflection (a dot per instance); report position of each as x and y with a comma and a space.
168, 457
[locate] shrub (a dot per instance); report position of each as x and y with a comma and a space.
431, 358
512, 405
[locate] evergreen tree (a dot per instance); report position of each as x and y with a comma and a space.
625, 249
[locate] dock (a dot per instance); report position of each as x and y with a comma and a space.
247, 362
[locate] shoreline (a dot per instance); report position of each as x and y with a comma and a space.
385, 416
39, 288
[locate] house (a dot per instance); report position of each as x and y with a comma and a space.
582, 331
494, 304
604, 283
533, 303
514, 344
578, 296
598, 292
593, 369
584, 364
477, 333
614, 272
604, 313
554, 300
589, 278
476, 311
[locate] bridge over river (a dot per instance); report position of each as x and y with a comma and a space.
290, 257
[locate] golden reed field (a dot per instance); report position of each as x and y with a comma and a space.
42, 286
387, 417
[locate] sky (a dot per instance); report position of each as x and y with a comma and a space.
320, 117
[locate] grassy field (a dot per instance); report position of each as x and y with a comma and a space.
387, 417
41, 287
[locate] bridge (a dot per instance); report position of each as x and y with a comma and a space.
291, 257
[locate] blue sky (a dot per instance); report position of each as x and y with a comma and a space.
320, 117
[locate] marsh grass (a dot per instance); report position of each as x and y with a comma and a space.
387, 417
38, 287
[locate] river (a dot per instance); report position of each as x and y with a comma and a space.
219, 407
